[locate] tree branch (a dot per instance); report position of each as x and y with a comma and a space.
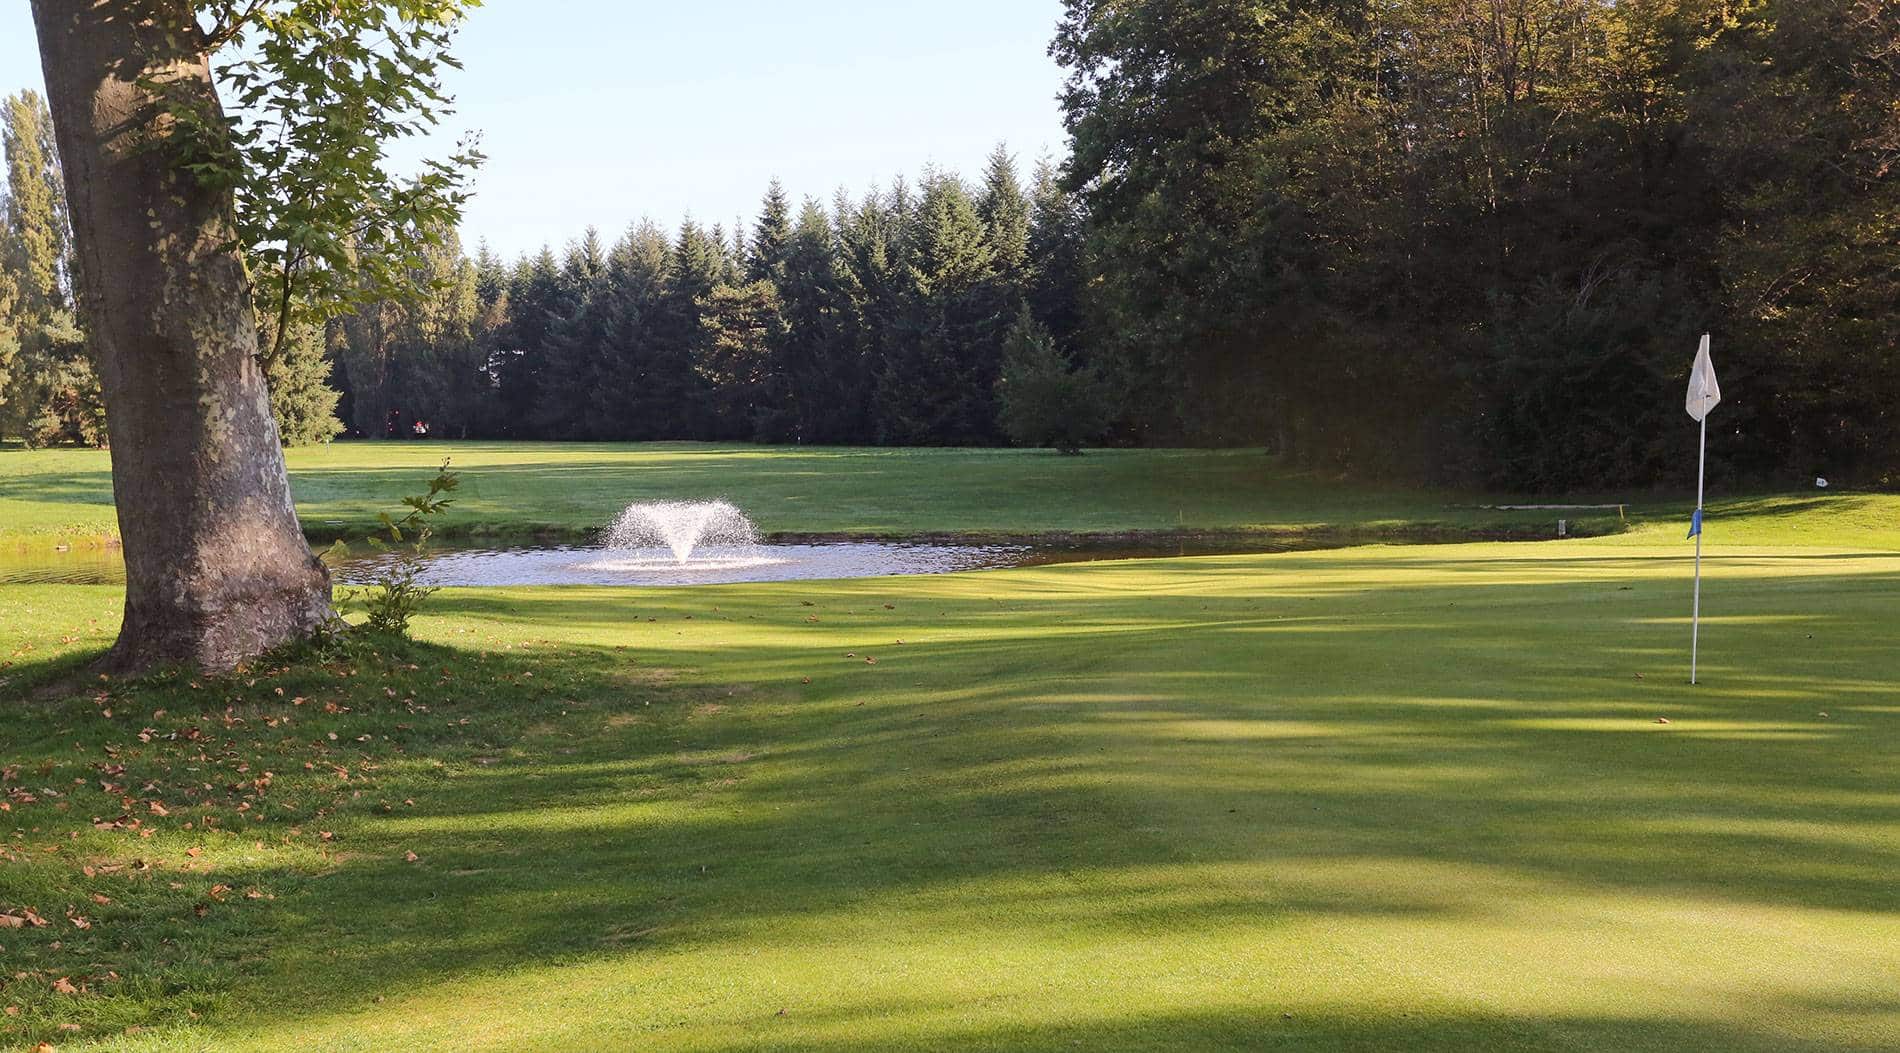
225, 32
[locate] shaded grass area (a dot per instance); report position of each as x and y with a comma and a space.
520, 489
1365, 799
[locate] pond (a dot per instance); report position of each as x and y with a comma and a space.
570, 564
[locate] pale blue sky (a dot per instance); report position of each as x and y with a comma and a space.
603, 111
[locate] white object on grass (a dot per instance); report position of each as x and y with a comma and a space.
1704, 395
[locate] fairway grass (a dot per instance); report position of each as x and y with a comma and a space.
519, 490
1378, 798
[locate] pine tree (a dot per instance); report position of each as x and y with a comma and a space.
670, 400
478, 393
9, 319
821, 386
62, 401
629, 309
582, 264
456, 393
730, 253
402, 362
1056, 238
900, 207
765, 258
301, 398
1044, 400
937, 385
35, 206
51, 393
571, 371
871, 279
439, 373
1005, 212
535, 301
742, 327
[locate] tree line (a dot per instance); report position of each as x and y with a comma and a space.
1478, 239
1458, 240
888, 318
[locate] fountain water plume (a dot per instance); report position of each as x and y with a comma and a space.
681, 527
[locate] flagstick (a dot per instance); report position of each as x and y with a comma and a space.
1701, 474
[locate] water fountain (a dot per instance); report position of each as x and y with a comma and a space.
699, 536
680, 527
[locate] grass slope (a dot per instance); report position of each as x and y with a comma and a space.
521, 488
1369, 799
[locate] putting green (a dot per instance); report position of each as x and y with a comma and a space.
1369, 799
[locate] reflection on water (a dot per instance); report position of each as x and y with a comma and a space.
710, 565
577, 564
84, 565
547, 564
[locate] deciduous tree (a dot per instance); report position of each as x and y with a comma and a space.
217, 569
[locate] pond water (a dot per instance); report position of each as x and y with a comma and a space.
567, 564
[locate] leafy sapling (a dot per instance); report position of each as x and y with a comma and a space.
396, 594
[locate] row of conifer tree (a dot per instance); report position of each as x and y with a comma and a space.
930, 314
940, 313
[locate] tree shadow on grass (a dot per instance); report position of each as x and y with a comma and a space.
964, 776
1095, 762
78, 488
1268, 1028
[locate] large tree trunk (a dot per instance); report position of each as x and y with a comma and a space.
217, 568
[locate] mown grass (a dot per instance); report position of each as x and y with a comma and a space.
517, 489
1370, 799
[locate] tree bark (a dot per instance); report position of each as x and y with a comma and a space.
217, 568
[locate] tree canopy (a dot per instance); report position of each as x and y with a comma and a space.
1458, 240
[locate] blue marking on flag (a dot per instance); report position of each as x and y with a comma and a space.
1695, 528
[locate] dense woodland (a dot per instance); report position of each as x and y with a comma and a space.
1465, 240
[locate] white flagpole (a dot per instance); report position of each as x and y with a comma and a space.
1701, 474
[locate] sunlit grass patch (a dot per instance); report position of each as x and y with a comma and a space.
1367, 799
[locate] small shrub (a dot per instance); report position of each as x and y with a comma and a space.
395, 596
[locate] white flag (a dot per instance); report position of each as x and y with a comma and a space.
1704, 393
